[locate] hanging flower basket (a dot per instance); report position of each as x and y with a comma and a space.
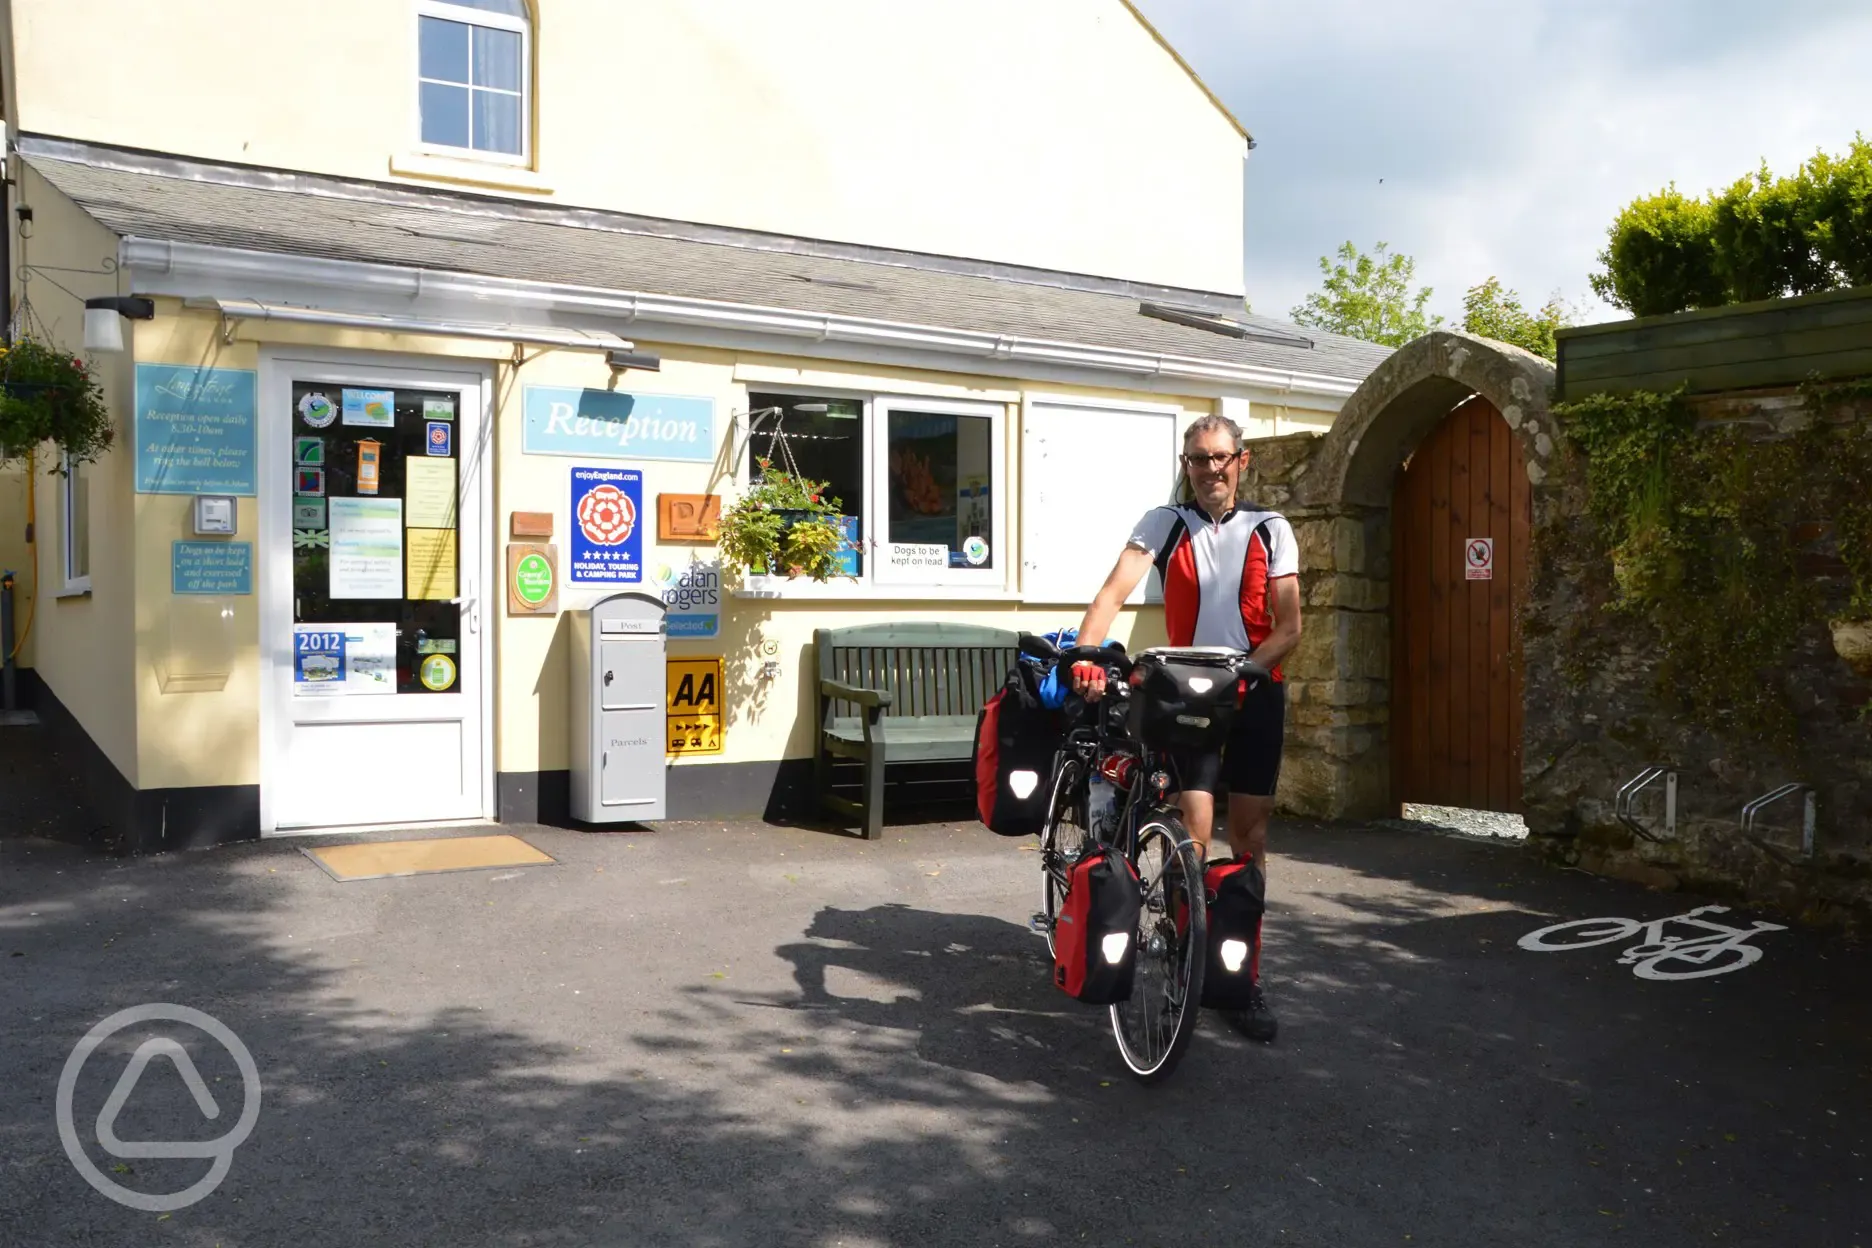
47, 395
783, 526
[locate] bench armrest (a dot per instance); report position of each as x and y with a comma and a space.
853, 693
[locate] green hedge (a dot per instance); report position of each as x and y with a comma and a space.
1763, 238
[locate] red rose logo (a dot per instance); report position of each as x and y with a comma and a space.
606, 516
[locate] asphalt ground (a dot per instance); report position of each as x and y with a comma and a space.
711, 1035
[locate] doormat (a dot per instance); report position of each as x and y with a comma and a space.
385, 859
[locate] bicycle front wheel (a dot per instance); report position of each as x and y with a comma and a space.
1154, 1027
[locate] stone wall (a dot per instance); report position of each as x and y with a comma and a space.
1336, 491
1593, 721
1338, 692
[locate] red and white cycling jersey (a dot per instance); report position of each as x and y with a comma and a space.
1218, 577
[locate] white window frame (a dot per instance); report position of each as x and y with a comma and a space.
999, 573
67, 508
523, 26
874, 579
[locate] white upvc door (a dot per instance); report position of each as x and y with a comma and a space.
376, 488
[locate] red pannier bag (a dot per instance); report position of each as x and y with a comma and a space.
1095, 931
1236, 893
1015, 740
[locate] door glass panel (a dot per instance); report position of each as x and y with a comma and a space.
376, 562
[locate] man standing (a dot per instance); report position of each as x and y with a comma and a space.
1230, 575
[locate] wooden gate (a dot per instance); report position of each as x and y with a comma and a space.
1460, 519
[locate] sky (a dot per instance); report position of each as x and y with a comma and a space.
1501, 139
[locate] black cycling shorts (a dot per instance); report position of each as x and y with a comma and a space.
1249, 763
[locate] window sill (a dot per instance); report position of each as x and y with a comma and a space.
469, 172
72, 591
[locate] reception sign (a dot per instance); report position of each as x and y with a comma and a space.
195, 430
612, 424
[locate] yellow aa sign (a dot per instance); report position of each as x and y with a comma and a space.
695, 706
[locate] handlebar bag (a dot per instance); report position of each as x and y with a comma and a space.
1095, 931
1236, 893
1186, 701
1015, 740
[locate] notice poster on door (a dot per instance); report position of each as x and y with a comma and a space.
429, 493
607, 533
373, 409
343, 660
431, 564
366, 547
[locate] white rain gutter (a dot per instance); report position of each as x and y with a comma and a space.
199, 270
253, 310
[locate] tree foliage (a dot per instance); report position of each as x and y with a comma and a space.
1764, 237
1368, 297
1491, 311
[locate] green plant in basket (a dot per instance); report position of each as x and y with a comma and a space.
785, 525
48, 395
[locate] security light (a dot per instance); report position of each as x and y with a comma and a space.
649, 361
101, 330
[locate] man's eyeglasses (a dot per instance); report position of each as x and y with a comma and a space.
1214, 463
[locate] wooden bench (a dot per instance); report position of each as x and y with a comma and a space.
900, 693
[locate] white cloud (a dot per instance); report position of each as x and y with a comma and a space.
1507, 136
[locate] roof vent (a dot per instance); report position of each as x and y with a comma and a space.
1195, 318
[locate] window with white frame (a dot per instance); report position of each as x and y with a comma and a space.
919, 481
75, 529
473, 65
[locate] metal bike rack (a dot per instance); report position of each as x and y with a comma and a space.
1628, 796
1808, 818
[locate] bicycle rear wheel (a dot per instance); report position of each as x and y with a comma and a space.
1154, 1027
1063, 838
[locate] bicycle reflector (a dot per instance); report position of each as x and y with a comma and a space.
1023, 783
1114, 946
1234, 953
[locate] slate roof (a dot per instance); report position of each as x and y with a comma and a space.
330, 218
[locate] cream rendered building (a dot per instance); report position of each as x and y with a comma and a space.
393, 249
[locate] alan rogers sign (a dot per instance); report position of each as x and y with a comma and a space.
692, 598
611, 424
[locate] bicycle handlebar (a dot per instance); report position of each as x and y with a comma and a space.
1040, 648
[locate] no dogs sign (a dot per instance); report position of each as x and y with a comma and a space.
1479, 559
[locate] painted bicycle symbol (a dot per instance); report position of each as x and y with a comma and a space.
1660, 956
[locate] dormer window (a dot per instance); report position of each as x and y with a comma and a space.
474, 62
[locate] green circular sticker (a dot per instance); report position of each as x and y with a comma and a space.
437, 672
533, 579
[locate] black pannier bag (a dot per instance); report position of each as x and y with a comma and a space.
1237, 897
1015, 740
1095, 931
1184, 699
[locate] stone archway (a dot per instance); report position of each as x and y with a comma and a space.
1337, 491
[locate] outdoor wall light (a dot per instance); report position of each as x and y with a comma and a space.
649, 361
101, 330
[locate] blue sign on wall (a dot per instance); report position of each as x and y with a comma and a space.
610, 424
211, 568
194, 430
607, 527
